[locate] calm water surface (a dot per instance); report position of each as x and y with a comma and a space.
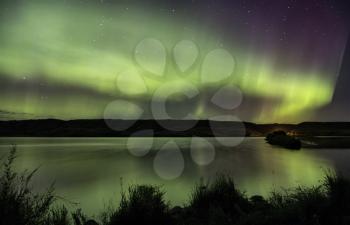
88, 170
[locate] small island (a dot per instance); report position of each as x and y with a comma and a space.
281, 138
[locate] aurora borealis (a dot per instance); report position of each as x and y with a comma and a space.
62, 59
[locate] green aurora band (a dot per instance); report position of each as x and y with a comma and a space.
87, 47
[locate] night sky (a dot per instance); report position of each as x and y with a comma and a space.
71, 59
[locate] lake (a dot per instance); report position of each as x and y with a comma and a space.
89, 171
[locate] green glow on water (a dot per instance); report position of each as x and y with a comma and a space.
88, 170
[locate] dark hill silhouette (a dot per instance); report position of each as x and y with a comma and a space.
98, 128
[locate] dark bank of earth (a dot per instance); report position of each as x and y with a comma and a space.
281, 138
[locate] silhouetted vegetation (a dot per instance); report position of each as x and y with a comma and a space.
217, 202
20, 205
143, 204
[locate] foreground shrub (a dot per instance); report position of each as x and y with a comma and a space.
144, 204
298, 206
19, 205
58, 216
217, 203
61, 216
338, 192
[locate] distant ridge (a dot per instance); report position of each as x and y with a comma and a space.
170, 128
